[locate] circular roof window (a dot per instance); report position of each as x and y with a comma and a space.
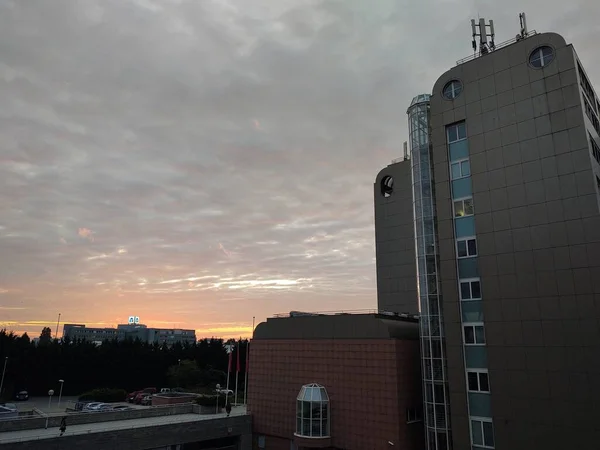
541, 57
387, 186
452, 89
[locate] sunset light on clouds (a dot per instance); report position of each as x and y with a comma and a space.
199, 163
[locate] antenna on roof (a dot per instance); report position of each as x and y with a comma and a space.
523, 33
481, 29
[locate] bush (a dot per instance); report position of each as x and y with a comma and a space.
211, 400
105, 395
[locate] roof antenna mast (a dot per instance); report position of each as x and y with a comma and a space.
481, 29
524, 32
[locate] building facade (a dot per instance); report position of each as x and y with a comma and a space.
348, 381
160, 336
394, 239
514, 162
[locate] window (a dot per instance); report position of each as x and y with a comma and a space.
463, 207
591, 114
587, 87
456, 132
598, 181
478, 381
595, 148
470, 289
474, 334
413, 415
387, 186
312, 411
466, 248
452, 89
541, 57
460, 169
482, 432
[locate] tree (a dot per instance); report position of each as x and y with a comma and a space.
46, 336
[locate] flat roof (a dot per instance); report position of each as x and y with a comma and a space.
339, 326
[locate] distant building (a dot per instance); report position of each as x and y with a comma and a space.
133, 331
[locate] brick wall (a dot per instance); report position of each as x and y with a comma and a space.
371, 383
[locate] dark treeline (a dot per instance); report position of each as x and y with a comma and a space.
128, 365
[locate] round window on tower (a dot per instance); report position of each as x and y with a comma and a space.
452, 89
387, 186
541, 57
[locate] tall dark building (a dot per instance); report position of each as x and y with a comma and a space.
394, 239
505, 157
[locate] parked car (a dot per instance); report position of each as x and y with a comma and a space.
22, 396
94, 406
165, 390
131, 396
10, 406
121, 408
147, 400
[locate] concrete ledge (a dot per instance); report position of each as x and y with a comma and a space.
93, 417
236, 428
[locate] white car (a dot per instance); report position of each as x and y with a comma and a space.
97, 406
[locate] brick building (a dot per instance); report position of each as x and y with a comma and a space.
347, 381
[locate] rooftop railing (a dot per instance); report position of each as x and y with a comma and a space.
345, 312
496, 48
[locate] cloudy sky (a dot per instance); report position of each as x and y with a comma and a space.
200, 162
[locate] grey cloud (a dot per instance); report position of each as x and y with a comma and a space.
221, 154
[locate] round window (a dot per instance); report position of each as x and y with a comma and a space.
387, 186
541, 57
452, 89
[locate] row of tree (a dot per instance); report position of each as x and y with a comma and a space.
130, 364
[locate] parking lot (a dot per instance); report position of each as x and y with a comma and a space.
41, 403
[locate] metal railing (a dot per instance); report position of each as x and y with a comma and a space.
496, 48
344, 312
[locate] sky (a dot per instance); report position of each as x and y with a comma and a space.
198, 163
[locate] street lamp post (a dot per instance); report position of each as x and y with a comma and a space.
50, 394
62, 382
3, 372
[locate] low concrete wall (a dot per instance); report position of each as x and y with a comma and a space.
201, 409
238, 428
82, 418
172, 399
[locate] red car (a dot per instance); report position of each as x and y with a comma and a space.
131, 397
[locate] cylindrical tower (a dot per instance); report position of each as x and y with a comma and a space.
433, 353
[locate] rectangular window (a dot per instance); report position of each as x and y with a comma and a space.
482, 432
463, 207
413, 415
587, 87
474, 334
456, 132
466, 247
595, 148
591, 114
478, 381
470, 289
460, 169
598, 182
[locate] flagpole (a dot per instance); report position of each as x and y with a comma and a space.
237, 371
247, 356
229, 351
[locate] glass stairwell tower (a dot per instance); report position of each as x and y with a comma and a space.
433, 354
